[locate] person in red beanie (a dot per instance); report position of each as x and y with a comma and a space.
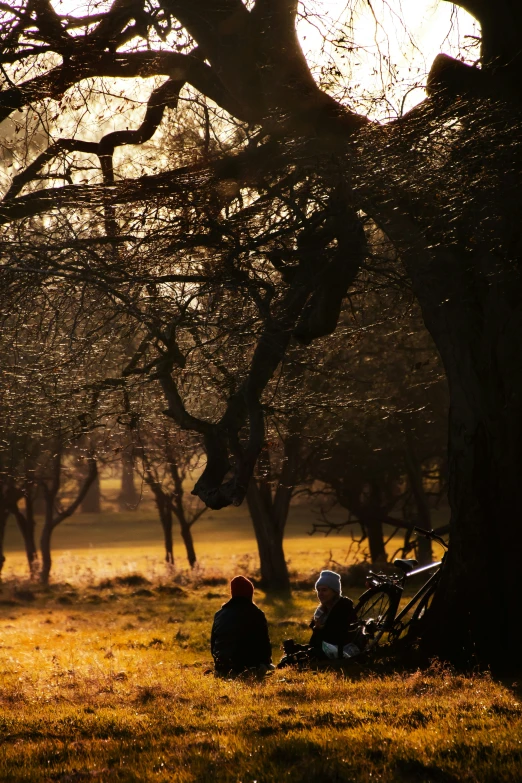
240, 639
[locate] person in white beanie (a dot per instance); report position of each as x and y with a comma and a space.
334, 618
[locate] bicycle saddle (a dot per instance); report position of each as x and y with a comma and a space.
406, 565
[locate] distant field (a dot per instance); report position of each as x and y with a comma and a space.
114, 543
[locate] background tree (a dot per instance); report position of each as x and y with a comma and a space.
380, 437
91, 502
128, 497
166, 458
269, 495
51, 480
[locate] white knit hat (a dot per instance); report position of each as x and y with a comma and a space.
329, 579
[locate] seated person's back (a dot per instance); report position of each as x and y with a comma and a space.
240, 637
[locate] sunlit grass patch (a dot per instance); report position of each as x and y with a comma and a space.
119, 690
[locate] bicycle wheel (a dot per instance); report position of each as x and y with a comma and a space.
378, 604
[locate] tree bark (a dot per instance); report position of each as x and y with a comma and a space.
166, 523
52, 517
269, 537
45, 549
473, 311
269, 513
476, 615
162, 501
374, 528
128, 498
369, 512
186, 535
470, 294
92, 501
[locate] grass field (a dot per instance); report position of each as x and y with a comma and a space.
105, 676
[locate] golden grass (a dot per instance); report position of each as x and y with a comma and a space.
104, 676
108, 681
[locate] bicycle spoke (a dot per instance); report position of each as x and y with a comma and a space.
375, 610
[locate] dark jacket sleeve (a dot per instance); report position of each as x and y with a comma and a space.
213, 637
338, 627
262, 638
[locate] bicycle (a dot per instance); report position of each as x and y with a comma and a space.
378, 607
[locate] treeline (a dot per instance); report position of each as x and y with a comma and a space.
356, 422
238, 316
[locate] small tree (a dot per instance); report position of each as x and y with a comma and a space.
268, 496
165, 459
52, 479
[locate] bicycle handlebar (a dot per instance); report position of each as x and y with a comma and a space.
430, 534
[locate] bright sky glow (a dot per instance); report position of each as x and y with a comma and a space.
383, 50
380, 51
372, 56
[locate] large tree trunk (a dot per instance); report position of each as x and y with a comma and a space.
476, 615
471, 299
269, 537
269, 512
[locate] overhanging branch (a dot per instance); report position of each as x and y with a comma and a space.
58, 80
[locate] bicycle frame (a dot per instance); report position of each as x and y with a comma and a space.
424, 589
383, 595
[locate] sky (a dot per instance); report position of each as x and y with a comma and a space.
380, 50
372, 55
393, 45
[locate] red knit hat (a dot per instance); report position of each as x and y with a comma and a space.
242, 587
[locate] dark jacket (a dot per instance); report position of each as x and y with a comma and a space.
337, 628
239, 638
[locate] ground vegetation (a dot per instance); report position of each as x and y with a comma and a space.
109, 679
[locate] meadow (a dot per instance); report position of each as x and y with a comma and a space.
106, 675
